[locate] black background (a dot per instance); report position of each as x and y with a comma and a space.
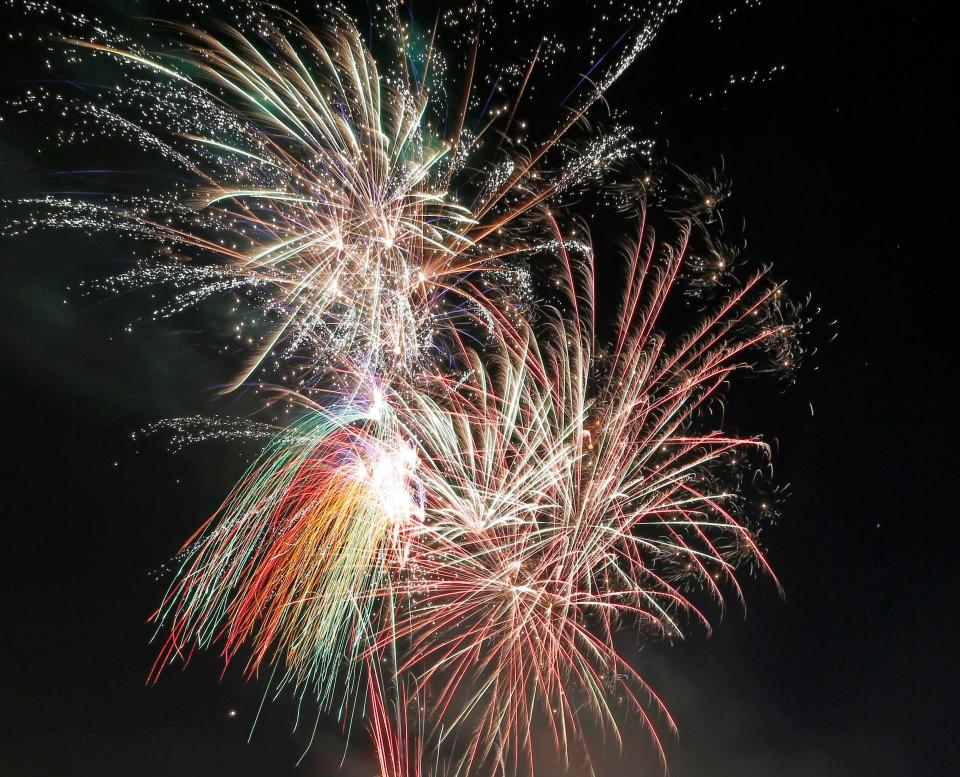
843, 167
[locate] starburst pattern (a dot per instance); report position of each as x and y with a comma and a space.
482, 477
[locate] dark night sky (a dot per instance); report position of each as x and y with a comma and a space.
844, 170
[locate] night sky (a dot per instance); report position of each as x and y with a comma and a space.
844, 176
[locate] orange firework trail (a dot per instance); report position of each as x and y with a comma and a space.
285, 564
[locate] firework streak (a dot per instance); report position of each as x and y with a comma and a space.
486, 481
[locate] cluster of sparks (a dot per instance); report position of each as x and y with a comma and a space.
487, 476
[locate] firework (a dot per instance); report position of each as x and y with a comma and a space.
569, 491
556, 494
287, 561
480, 488
323, 193
328, 196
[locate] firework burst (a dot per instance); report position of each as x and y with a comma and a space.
481, 487
345, 198
570, 491
286, 562
522, 516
